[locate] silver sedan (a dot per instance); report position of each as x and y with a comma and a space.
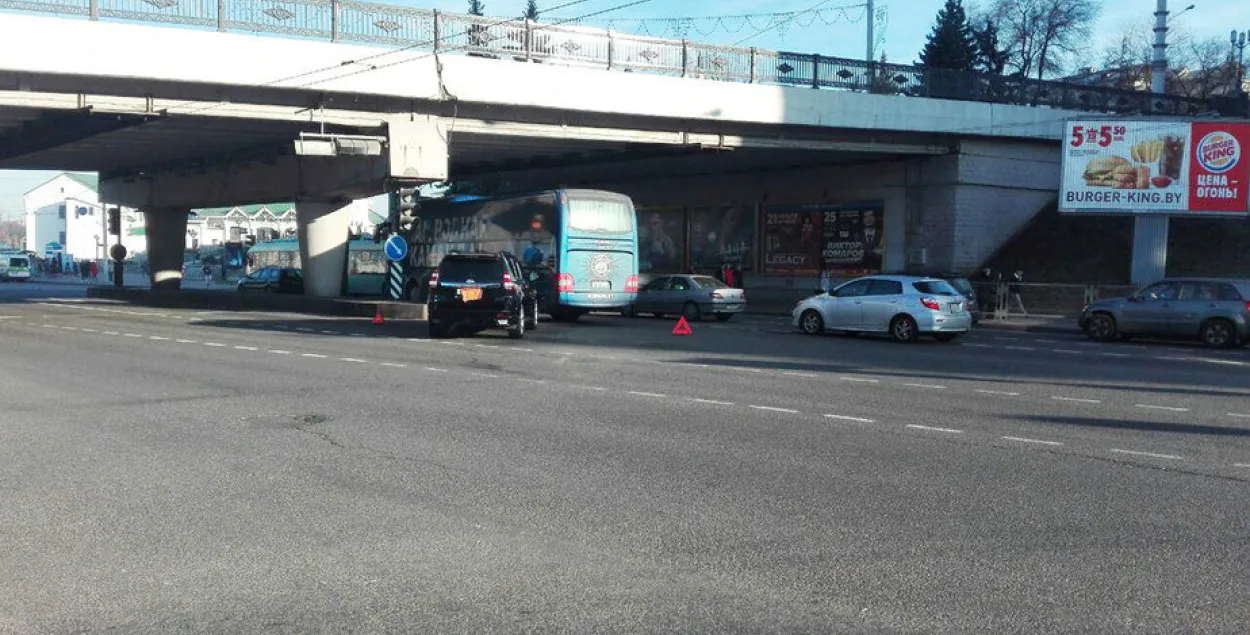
905, 307
690, 296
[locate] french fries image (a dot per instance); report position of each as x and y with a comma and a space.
1147, 151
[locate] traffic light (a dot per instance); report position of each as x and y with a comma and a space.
406, 208
115, 221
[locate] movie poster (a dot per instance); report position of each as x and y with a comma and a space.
792, 239
852, 241
661, 248
722, 236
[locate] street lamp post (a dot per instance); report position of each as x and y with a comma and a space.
1238, 42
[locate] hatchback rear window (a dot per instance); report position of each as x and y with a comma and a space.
934, 287
961, 284
465, 270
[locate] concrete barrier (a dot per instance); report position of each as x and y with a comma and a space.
219, 301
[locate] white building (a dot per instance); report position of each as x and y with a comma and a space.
65, 213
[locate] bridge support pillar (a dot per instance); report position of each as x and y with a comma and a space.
167, 241
1150, 249
323, 227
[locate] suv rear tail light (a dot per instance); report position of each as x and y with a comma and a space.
434, 280
508, 284
931, 304
631, 283
564, 282
1248, 305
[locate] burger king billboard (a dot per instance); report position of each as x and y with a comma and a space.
1155, 167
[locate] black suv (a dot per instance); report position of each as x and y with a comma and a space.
479, 291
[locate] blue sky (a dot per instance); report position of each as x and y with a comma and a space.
831, 32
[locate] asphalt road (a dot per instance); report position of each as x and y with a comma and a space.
197, 472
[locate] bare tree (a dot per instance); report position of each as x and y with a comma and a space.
1196, 68
1205, 69
12, 232
1040, 35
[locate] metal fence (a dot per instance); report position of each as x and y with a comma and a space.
997, 302
422, 29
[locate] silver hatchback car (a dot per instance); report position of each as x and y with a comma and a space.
1215, 310
905, 307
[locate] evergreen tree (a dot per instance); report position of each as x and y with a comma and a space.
951, 44
477, 7
991, 56
531, 10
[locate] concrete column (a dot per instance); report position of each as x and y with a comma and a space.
167, 241
322, 227
1150, 249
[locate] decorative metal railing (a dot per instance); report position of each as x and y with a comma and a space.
422, 29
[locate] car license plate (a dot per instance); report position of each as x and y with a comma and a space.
471, 294
600, 284
955, 308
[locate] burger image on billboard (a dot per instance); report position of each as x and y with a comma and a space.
1109, 171
1218, 152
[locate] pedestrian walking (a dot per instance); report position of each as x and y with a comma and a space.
208, 275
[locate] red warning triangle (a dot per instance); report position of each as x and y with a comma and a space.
377, 317
682, 328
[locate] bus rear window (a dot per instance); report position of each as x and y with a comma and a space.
599, 216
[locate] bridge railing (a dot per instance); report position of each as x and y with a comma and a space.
428, 30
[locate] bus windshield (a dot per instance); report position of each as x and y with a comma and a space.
600, 216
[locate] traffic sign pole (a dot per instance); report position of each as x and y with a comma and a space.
396, 249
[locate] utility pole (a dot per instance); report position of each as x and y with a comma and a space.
872, 27
1150, 231
1238, 42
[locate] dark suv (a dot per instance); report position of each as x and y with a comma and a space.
478, 291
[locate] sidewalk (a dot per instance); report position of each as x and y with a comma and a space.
1032, 324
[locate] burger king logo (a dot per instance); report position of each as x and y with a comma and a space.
1218, 152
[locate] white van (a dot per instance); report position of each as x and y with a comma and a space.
14, 266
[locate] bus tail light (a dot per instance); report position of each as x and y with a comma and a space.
631, 283
564, 282
509, 284
434, 280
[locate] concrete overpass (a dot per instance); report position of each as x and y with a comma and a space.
180, 118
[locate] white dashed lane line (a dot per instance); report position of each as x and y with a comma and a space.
435, 370
1163, 408
185, 341
353, 360
788, 411
712, 402
860, 380
131, 335
215, 344
158, 338
655, 395
1064, 351
1153, 455
1019, 348
1076, 400
245, 348
1238, 415
933, 429
926, 386
394, 365
1002, 393
278, 351
1027, 440
846, 418
313, 355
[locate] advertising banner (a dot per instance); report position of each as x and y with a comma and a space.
661, 247
852, 239
1155, 167
792, 241
721, 236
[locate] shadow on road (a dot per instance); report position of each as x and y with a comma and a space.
1144, 426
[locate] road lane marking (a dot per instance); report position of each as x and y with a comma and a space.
860, 380
1115, 354
1076, 400
712, 402
1027, 440
746, 370
185, 341
794, 374
215, 344
158, 338
70, 328
331, 332
87, 330
131, 335
418, 340
1003, 393
278, 351
453, 343
435, 370
772, 409
1173, 359
1239, 415
527, 380
647, 394
1019, 348
1164, 408
1066, 351
1046, 341
1228, 362
929, 386
971, 345
518, 348
846, 418
484, 375
1153, 455
486, 345
313, 355
1241, 464
932, 429
594, 388
245, 348
110, 333
353, 360
1007, 339
394, 365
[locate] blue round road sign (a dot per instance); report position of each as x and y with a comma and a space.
396, 248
